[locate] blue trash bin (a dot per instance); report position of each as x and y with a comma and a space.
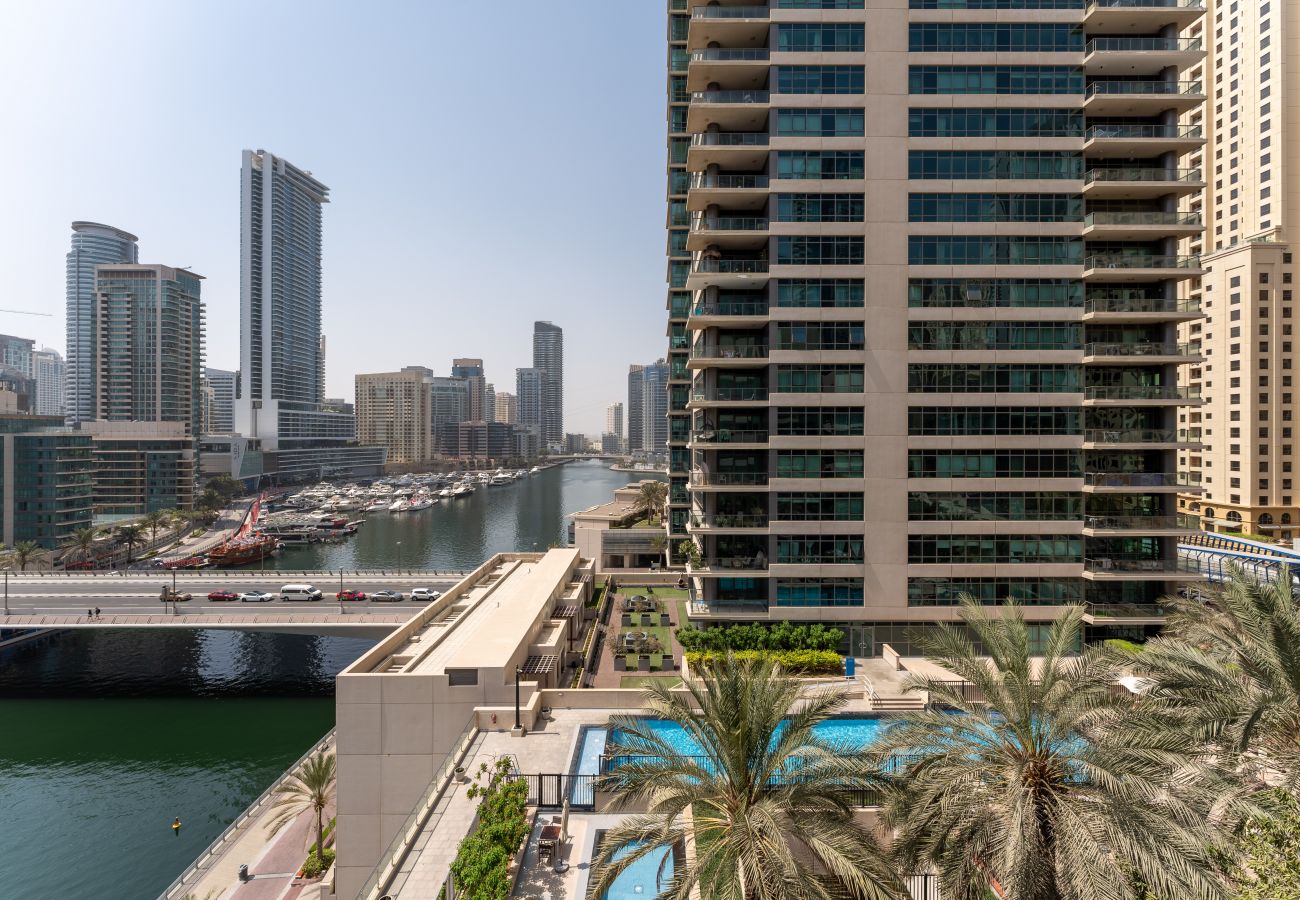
850, 665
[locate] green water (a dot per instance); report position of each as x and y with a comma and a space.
90, 787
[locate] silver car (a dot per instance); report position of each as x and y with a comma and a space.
386, 597
256, 597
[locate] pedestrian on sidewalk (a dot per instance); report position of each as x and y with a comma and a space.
90, 614
97, 612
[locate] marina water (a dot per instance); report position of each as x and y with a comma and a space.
105, 737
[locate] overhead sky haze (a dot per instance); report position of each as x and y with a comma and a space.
489, 164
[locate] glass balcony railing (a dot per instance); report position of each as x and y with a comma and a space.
1103, 132
1163, 88
1140, 217
731, 394
1141, 479
757, 562
1190, 523
729, 436
1144, 564
1137, 174
730, 139
730, 54
1130, 392
1125, 301
729, 266
731, 308
704, 180
729, 12
1142, 261
1141, 435
1142, 44
1141, 348
729, 520
724, 479
703, 223
738, 352
1146, 4
729, 96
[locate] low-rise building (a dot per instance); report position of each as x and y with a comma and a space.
141, 467
47, 472
616, 536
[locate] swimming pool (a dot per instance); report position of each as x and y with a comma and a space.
850, 733
643, 879
586, 761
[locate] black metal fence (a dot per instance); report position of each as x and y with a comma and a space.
550, 791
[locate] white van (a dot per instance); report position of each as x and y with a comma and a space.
299, 592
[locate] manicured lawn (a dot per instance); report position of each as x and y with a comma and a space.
639, 681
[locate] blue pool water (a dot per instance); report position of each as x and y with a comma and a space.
643, 879
591, 744
848, 733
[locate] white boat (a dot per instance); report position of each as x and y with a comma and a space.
398, 505
461, 490
534, 470
499, 480
420, 503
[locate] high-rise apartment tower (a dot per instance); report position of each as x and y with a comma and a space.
92, 245
548, 358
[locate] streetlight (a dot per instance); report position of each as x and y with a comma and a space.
6, 592
519, 726
399, 557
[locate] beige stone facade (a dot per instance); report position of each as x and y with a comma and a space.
1249, 204
394, 410
923, 303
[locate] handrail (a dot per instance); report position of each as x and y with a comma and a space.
1136, 173
1143, 348
730, 54
1141, 392
1109, 44
729, 12
1188, 88
243, 818
1142, 131
730, 139
1133, 261
730, 96
1141, 217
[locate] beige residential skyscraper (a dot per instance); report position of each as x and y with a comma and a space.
923, 302
1251, 208
507, 408
394, 410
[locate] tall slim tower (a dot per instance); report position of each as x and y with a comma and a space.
528, 398
92, 245
280, 306
475, 384
654, 407
926, 259
548, 357
614, 419
635, 437
48, 371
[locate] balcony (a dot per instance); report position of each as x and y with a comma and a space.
1138, 225
1141, 97
740, 68
728, 273
1132, 182
1120, 526
1140, 140
1146, 352
728, 26
732, 190
739, 110
1121, 305
1140, 55
739, 150
1121, 568
734, 232
1140, 267
1140, 482
728, 437
728, 521
727, 396
1141, 395
725, 565
727, 480
712, 356
1141, 438
1144, 15
728, 314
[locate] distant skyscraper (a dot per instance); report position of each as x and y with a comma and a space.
548, 358
472, 371
149, 345
635, 437
393, 410
280, 349
16, 353
614, 419
654, 407
507, 408
222, 385
489, 403
528, 391
92, 245
48, 371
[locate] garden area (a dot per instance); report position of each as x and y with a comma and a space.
640, 638
798, 649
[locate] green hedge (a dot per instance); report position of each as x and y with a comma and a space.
795, 662
779, 636
312, 867
482, 860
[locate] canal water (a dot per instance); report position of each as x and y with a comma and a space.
106, 737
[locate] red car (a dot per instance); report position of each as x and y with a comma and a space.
351, 595
223, 595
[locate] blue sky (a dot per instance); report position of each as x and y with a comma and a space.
490, 164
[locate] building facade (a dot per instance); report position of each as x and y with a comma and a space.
92, 245
548, 358
654, 407
927, 259
46, 480
48, 372
528, 394
471, 370
1250, 207
148, 345
635, 439
141, 467
394, 410
221, 389
614, 419
16, 352
507, 408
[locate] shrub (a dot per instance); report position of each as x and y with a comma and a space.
778, 636
482, 860
313, 867
794, 662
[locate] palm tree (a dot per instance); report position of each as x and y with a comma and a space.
311, 787
130, 537
1046, 786
760, 832
81, 542
650, 499
152, 521
1227, 669
25, 552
